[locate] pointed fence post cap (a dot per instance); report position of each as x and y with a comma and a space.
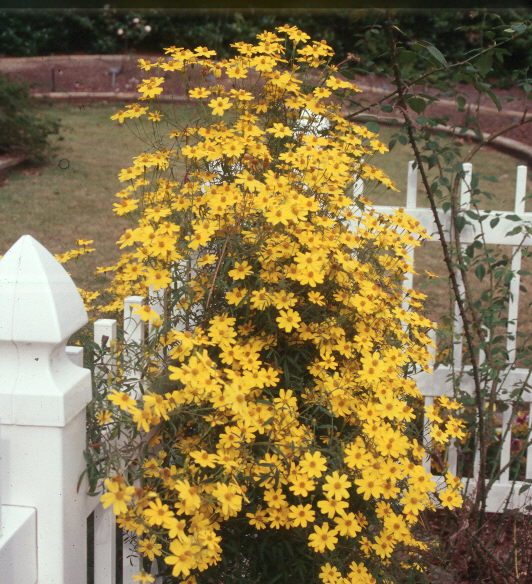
39, 301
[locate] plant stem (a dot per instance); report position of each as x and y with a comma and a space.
480, 500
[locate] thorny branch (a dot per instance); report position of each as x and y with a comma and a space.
480, 501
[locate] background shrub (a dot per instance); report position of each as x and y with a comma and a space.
23, 130
27, 33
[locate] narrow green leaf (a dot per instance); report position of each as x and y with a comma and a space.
434, 52
494, 99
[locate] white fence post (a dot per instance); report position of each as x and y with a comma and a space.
43, 397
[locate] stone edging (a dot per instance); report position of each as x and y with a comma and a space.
9, 161
507, 145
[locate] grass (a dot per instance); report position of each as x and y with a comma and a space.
71, 197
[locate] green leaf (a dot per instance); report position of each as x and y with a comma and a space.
517, 229
418, 104
524, 487
460, 223
513, 217
494, 222
494, 99
484, 63
480, 272
373, 127
434, 52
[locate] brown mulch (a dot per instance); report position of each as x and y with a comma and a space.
498, 553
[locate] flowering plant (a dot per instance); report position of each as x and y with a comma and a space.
269, 429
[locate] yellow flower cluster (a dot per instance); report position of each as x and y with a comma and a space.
276, 386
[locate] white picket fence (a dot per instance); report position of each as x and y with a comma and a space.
504, 493
44, 391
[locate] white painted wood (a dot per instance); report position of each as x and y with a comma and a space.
130, 561
134, 337
39, 309
133, 324
43, 398
493, 235
411, 186
75, 354
506, 438
18, 547
104, 546
427, 441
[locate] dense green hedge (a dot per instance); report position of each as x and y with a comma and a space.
30, 33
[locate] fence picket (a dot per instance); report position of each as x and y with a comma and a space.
104, 546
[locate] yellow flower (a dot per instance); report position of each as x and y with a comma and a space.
279, 130
323, 538
336, 486
157, 278
330, 574
104, 417
413, 502
118, 496
316, 298
149, 548
240, 271
219, 105
151, 87
235, 296
347, 524
369, 485
288, 319
301, 515
199, 92
155, 116
450, 498
183, 552
229, 498
157, 513
146, 313
122, 399
332, 507
143, 578
313, 464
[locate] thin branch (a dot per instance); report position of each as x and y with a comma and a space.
401, 102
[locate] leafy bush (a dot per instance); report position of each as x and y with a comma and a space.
23, 130
266, 430
27, 33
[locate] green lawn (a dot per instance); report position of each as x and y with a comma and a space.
72, 196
